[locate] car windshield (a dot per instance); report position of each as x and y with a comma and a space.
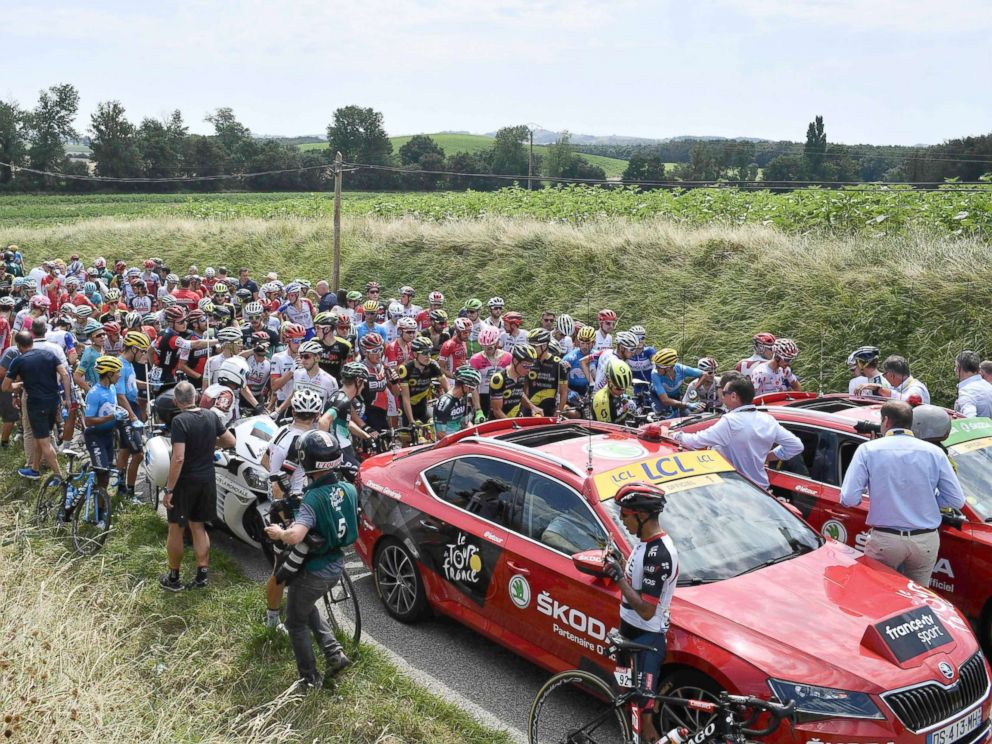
974, 465
724, 526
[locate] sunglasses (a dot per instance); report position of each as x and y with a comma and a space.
409, 332
373, 291
306, 356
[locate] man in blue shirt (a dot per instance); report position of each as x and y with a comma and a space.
100, 416
974, 393
908, 481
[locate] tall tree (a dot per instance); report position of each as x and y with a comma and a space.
560, 158
419, 146
509, 156
49, 126
161, 144
13, 133
230, 132
114, 142
815, 148
358, 134
644, 167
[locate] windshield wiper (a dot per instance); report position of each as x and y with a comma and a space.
797, 549
694, 582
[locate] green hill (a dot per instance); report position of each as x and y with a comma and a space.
452, 143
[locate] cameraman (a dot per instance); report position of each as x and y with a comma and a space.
328, 521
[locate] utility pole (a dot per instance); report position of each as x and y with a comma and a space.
530, 161
336, 273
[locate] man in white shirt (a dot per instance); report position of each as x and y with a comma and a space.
974, 393
899, 383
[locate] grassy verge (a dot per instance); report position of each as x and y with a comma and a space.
94, 650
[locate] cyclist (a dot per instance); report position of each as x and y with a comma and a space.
454, 352
508, 388
763, 344
170, 344
437, 331
604, 338
113, 344
398, 352
375, 393
548, 386
487, 362
640, 361
415, 378
435, 301
564, 328
371, 305
704, 391
310, 375
863, 365
284, 364
406, 300
334, 350
578, 382
611, 402
230, 340
368, 324
140, 301
254, 313
626, 346
343, 411
129, 456
298, 309
6, 312
454, 409
472, 308
259, 366
666, 384
105, 406
495, 306
37, 307
776, 375
193, 362
646, 584
221, 298
224, 397
513, 334
393, 314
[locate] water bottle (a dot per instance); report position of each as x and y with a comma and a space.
115, 478
70, 495
676, 736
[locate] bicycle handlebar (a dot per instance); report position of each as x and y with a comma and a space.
777, 712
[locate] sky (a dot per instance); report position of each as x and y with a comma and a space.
879, 71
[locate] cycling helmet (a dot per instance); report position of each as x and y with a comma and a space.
149, 264
606, 315
137, 340
931, 423
89, 288
354, 295
463, 325
253, 309
260, 339
325, 319
641, 497
370, 306
205, 303
92, 325
524, 353
666, 357
196, 316
354, 371
221, 288
293, 330
40, 302
407, 291
618, 374
627, 340
139, 284
167, 300
406, 324
864, 356
307, 400
149, 319
230, 335
489, 335
639, 331
30, 285
244, 295
473, 304
395, 310
539, 336
9, 302
132, 320
119, 266
513, 318
100, 262
175, 314
438, 316
707, 364
113, 295
565, 325
133, 272
267, 288
554, 347
343, 323
785, 349
209, 272
171, 279
107, 365
369, 286
468, 375
233, 371
763, 341
112, 328
587, 334
71, 283
82, 311
312, 346
435, 298
371, 342
422, 345
495, 302
318, 452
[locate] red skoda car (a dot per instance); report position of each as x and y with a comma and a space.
494, 525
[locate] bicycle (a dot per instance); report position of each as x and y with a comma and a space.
77, 499
343, 613
612, 717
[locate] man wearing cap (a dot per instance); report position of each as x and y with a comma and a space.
907, 481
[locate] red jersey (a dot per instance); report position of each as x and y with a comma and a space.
454, 353
187, 298
4, 335
396, 354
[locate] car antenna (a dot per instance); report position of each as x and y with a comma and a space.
820, 391
682, 342
589, 425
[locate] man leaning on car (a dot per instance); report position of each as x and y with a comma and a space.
907, 481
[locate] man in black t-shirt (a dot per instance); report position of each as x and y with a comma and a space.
190, 489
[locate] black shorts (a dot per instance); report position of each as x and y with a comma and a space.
192, 501
8, 414
100, 446
41, 417
129, 437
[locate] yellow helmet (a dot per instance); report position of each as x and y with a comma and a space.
107, 365
665, 357
371, 306
137, 339
587, 333
618, 374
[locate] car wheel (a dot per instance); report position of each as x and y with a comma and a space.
689, 685
255, 528
398, 582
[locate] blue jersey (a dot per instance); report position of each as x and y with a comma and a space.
101, 401
364, 330
128, 382
87, 363
671, 386
576, 378
641, 365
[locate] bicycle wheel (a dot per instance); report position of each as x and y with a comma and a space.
574, 707
50, 499
91, 522
343, 613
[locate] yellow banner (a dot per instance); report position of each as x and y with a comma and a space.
660, 470
974, 444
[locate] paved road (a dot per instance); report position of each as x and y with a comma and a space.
496, 686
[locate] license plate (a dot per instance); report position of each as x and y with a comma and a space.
624, 679
954, 731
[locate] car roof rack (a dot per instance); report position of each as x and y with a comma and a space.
514, 447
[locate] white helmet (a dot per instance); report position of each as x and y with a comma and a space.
395, 310
158, 455
209, 272
307, 400
406, 324
229, 335
233, 371
565, 325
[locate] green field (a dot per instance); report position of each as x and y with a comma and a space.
453, 143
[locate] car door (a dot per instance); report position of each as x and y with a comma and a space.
565, 613
462, 537
792, 480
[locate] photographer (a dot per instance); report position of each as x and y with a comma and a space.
328, 521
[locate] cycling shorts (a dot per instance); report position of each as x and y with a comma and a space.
100, 446
129, 437
648, 662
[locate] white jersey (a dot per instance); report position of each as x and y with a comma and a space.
412, 311
653, 571
856, 382
392, 332
744, 366
603, 341
322, 382
223, 401
508, 341
59, 337
273, 324
566, 343
54, 348
767, 380
141, 304
258, 375
282, 363
603, 360
280, 447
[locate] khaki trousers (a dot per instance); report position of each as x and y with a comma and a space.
914, 556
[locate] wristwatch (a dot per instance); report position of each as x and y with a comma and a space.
168, 490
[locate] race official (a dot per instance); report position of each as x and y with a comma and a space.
974, 393
747, 437
902, 385
908, 481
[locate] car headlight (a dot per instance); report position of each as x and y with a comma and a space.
256, 479
825, 701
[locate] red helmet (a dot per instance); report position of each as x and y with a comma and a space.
513, 318
175, 313
786, 349
112, 328
463, 324
371, 341
607, 315
641, 497
294, 330
149, 264
435, 298
196, 316
119, 266
40, 302
764, 339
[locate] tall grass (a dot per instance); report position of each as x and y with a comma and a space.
699, 290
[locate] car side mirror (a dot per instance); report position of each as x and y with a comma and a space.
590, 562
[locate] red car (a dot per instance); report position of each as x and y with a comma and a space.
498, 525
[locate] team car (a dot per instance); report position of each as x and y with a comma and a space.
826, 426
503, 527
